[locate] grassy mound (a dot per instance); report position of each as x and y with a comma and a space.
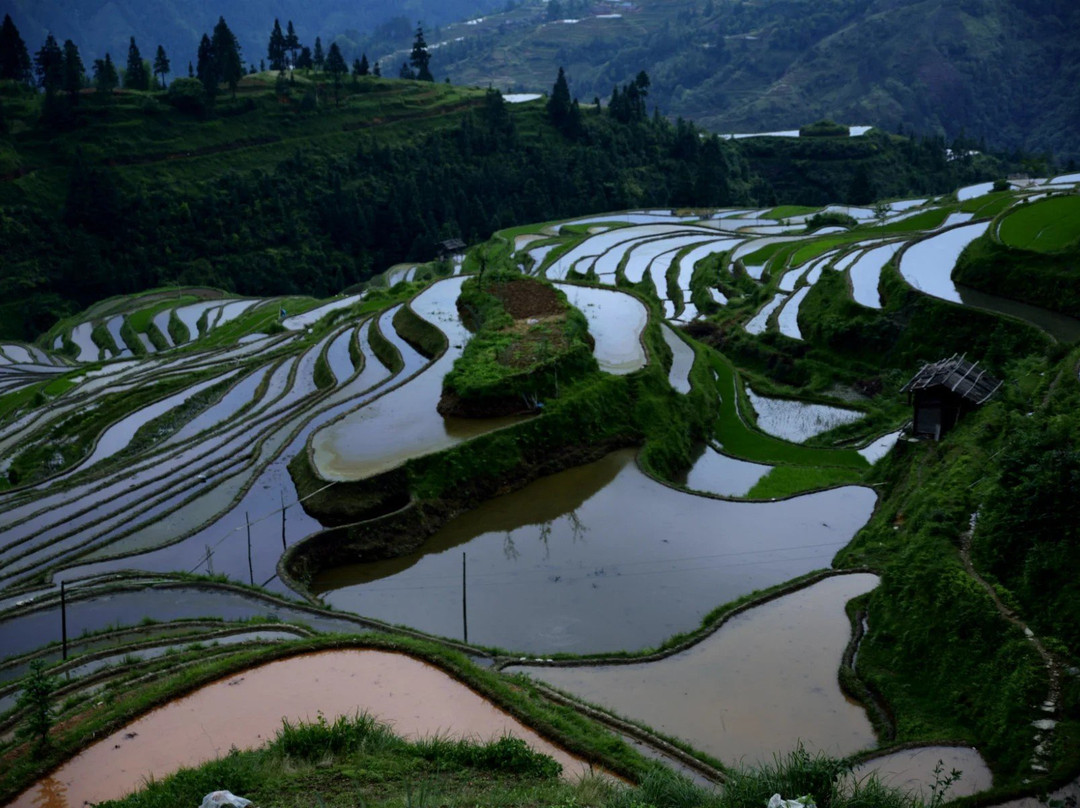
528, 340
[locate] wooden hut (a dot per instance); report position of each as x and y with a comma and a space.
943, 391
452, 246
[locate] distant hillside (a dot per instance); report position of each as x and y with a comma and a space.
287, 188
97, 26
1003, 71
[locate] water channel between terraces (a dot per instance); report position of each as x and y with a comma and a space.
597, 558
414, 698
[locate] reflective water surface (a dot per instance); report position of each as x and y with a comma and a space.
762, 683
597, 558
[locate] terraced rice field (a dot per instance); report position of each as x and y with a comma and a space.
1046, 226
153, 433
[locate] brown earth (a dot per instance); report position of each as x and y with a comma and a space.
527, 298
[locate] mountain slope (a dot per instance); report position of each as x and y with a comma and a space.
97, 26
1003, 71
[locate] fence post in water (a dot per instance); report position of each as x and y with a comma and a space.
63, 617
464, 602
251, 569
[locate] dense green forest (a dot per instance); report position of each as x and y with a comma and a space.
312, 182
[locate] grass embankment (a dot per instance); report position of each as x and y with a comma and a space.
427, 338
947, 661
1047, 280
528, 340
911, 327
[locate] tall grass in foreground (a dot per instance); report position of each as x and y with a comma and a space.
360, 762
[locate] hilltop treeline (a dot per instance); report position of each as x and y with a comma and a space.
337, 178
317, 221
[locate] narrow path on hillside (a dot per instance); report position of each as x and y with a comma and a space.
1044, 726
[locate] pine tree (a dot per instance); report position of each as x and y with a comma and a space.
292, 44
161, 65
376, 71
558, 106
105, 77
317, 57
230, 68
14, 58
74, 72
135, 75
406, 72
206, 68
364, 67
336, 67
303, 61
420, 58
49, 65
275, 52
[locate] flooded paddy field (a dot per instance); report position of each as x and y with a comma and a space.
417, 699
562, 564
762, 683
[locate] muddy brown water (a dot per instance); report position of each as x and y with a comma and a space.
416, 699
912, 770
761, 684
597, 558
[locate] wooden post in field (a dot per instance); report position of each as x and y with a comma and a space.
63, 617
251, 569
464, 601
284, 545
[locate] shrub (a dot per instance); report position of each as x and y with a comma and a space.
187, 95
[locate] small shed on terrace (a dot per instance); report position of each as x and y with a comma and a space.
943, 391
452, 246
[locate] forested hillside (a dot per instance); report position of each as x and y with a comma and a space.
101, 26
1006, 72
285, 189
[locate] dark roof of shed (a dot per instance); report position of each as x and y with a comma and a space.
452, 244
964, 378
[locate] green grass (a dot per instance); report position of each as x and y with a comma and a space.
759, 257
816, 248
924, 221
1046, 226
10, 402
784, 481
927, 220
787, 211
59, 386
740, 440
989, 204
141, 319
